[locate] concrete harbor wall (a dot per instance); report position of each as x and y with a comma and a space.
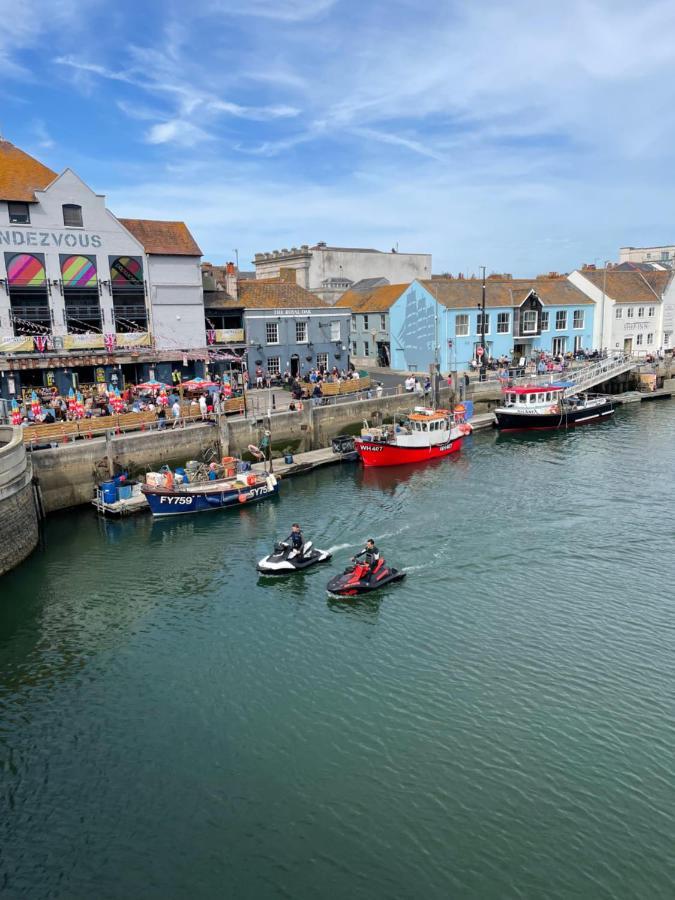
18, 511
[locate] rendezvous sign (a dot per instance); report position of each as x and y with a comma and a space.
69, 239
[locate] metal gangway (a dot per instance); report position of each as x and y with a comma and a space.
597, 373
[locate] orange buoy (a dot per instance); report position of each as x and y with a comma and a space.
243, 498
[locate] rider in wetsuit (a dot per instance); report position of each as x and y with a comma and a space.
371, 557
295, 539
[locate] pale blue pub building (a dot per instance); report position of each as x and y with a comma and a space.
522, 318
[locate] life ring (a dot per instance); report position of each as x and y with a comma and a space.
298, 406
465, 428
553, 410
243, 498
256, 451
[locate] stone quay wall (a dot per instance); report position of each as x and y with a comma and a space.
18, 511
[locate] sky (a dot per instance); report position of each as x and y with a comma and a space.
524, 136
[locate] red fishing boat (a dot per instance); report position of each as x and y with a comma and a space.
426, 434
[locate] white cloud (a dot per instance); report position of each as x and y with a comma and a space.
176, 131
280, 10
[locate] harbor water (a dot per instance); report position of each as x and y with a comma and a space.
499, 725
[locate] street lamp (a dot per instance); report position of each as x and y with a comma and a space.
602, 314
481, 306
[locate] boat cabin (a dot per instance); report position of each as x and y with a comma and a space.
532, 396
423, 419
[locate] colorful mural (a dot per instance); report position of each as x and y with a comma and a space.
126, 270
26, 270
78, 271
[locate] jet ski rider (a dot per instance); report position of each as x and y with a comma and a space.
295, 539
371, 557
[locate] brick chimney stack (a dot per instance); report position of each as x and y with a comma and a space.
231, 280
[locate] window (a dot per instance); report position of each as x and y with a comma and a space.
273, 365
650, 338
533, 398
664, 254
503, 323
354, 351
322, 360
353, 323
483, 323
272, 332
641, 312
335, 330
528, 321
544, 320
548, 396
461, 325
578, 343
72, 215
365, 323
651, 311
578, 318
629, 312
301, 332
383, 322
559, 346
638, 339
366, 348
19, 213
561, 320
522, 398
618, 312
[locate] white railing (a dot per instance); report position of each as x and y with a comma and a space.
598, 372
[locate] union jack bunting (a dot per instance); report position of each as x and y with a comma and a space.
110, 341
41, 342
211, 335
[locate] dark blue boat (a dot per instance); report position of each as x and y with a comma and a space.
206, 496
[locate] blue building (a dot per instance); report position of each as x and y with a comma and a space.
522, 317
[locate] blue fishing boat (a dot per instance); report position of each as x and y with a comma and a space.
205, 496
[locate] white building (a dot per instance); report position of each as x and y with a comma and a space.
660, 255
330, 271
75, 279
634, 309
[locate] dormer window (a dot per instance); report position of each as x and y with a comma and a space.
19, 213
72, 215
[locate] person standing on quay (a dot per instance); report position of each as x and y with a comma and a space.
175, 412
202, 407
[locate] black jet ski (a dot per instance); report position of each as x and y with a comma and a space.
355, 580
285, 560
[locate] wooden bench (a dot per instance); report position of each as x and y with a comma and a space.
334, 388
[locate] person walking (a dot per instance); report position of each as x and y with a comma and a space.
175, 412
203, 407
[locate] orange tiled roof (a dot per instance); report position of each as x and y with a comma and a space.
380, 299
629, 286
21, 175
270, 293
163, 238
463, 293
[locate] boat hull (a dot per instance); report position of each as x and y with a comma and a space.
165, 502
507, 421
373, 453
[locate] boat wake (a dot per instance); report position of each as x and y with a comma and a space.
337, 547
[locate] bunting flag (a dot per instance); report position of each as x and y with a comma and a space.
110, 341
41, 342
211, 335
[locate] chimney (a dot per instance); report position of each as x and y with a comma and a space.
231, 285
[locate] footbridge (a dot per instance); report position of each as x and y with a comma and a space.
596, 373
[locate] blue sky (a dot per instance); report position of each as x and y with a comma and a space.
525, 136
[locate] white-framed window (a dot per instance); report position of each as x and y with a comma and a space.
335, 330
301, 332
630, 312
483, 323
503, 322
561, 320
528, 321
322, 360
383, 321
578, 343
618, 313
366, 348
354, 350
641, 312
559, 345
578, 318
650, 338
544, 320
273, 365
651, 311
353, 323
638, 339
664, 254
271, 332
666, 338
365, 322
461, 325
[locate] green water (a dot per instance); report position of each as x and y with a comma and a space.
499, 725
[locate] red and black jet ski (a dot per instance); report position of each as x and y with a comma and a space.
356, 579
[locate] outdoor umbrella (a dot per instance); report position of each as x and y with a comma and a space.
152, 386
16, 413
35, 404
199, 384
